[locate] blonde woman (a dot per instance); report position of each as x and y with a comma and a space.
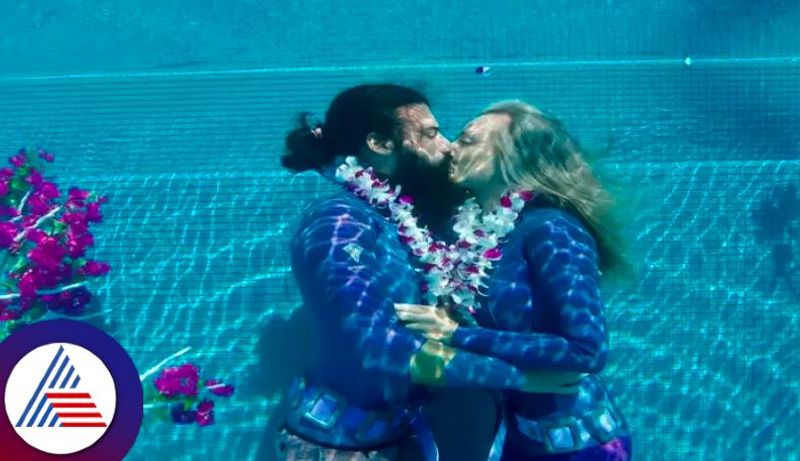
542, 310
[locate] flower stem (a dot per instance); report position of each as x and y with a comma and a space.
21, 206
158, 366
44, 218
51, 291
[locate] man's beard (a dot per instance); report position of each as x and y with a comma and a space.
435, 196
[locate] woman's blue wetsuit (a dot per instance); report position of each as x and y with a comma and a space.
544, 312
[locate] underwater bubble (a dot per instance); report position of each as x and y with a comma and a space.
483, 70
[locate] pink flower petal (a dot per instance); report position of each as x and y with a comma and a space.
526, 195
219, 388
95, 268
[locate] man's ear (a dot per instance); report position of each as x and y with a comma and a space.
379, 145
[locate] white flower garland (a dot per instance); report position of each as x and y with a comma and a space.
453, 271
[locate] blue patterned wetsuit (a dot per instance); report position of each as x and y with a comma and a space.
544, 312
351, 268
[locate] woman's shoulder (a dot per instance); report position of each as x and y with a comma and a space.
552, 223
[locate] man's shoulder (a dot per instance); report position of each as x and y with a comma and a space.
343, 208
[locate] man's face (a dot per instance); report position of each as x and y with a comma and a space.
420, 136
423, 161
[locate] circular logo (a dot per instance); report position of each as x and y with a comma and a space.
75, 391
70, 393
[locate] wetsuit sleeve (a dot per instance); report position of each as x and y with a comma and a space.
356, 295
562, 259
354, 290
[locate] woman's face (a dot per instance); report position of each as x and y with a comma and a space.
475, 163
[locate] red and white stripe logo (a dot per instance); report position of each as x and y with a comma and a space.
60, 398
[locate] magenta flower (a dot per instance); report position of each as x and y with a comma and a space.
8, 231
19, 159
9, 314
93, 212
76, 245
480, 233
77, 222
46, 156
35, 179
42, 257
219, 388
73, 218
8, 211
28, 284
205, 413
48, 253
493, 254
95, 268
36, 236
406, 199
471, 269
463, 244
39, 204
77, 197
505, 202
180, 380
49, 190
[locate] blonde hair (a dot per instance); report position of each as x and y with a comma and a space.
538, 154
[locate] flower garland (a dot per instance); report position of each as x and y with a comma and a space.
43, 243
453, 272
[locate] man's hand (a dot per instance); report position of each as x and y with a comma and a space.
433, 322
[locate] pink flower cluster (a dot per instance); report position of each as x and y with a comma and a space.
181, 385
44, 238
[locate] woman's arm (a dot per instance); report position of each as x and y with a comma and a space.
564, 276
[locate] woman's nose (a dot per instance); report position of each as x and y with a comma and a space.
454, 152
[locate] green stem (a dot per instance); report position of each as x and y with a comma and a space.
51, 291
158, 366
44, 218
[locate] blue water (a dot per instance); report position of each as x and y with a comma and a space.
177, 112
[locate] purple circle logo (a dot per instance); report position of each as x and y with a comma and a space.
70, 392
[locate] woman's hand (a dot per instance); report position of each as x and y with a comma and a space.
433, 322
